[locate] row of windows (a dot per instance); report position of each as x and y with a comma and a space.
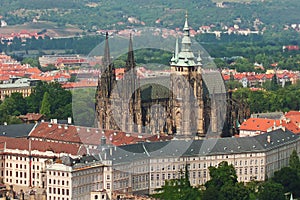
90, 179
58, 198
58, 182
59, 191
11, 157
59, 174
17, 166
198, 174
251, 170
17, 181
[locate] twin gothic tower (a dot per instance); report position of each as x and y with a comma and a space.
130, 106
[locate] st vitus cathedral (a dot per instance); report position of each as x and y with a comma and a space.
177, 107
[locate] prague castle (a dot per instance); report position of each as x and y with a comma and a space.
185, 104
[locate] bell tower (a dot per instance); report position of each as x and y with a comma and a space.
186, 84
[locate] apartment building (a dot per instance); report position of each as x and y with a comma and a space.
24, 86
79, 179
23, 161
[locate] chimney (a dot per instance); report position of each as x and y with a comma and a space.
269, 139
103, 140
49, 125
59, 126
69, 120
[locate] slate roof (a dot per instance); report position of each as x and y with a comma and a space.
213, 146
214, 81
271, 115
16, 130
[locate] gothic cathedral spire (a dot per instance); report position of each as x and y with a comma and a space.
130, 63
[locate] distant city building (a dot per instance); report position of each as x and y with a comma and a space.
266, 122
23, 86
62, 61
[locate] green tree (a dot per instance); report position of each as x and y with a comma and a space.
14, 105
238, 191
220, 63
271, 191
45, 107
222, 174
59, 98
224, 183
289, 179
211, 193
233, 85
294, 161
33, 62
274, 83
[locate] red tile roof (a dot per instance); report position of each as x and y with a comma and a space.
291, 127
258, 124
91, 136
81, 84
43, 146
31, 117
292, 113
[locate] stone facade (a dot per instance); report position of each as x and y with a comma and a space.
141, 168
179, 109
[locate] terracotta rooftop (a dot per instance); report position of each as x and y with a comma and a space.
292, 112
31, 117
258, 124
264, 125
43, 146
91, 136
